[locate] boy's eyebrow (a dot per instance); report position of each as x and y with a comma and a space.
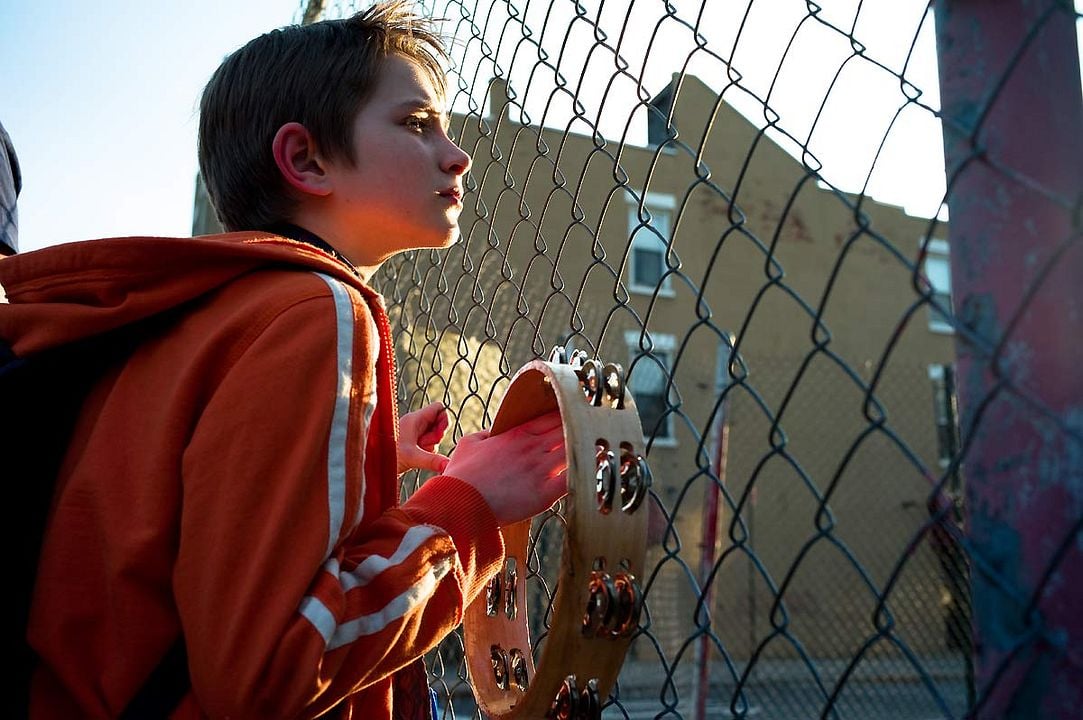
426, 106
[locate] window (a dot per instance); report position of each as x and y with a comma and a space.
647, 259
648, 382
945, 414
937, 270
722, 378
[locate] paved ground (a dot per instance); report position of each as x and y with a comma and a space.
789, 702
785, 691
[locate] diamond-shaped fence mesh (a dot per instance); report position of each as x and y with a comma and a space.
746, 205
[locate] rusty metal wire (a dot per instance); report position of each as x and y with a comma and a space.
709, 193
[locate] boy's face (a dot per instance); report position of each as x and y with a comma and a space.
404, 190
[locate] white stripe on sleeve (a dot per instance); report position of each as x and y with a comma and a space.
373, 565
340, 420
335, 636
371, 624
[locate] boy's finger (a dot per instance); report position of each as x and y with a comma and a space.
421, 460
542, 424
555, 486
439, 416
473, 437
432, 408
433, 435
429, 415
433, 415
558, 462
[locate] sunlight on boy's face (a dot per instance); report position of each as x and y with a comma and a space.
404, 190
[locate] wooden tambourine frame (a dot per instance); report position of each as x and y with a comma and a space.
598, 596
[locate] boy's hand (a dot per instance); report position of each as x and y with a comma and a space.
419, 433
520, 472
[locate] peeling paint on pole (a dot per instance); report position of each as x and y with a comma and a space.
1013, 135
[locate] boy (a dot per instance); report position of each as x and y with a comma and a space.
233, 481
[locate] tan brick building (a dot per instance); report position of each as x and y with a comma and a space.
653, 256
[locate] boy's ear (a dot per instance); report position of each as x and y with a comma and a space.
299, 160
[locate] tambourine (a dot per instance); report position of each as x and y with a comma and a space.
598, 597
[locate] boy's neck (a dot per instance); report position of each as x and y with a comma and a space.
300, 234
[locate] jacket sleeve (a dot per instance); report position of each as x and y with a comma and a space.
293, 589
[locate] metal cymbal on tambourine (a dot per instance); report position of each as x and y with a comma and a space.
598, 597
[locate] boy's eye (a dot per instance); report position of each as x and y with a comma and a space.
416, 123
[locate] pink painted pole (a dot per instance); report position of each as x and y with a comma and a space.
1013, 136
708, 548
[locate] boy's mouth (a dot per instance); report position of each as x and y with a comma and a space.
452, 193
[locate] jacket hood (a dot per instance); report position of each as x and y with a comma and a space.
71, 292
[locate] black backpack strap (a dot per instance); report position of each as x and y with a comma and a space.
164, 689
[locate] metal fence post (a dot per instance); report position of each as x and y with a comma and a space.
1013, 136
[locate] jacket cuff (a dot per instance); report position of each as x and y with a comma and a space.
458, 509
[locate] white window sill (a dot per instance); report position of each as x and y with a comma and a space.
941, 328
645, 290
667, 149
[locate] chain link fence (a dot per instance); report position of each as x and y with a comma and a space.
746, 205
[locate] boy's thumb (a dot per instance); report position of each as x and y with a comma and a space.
432, 461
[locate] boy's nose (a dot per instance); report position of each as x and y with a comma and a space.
457, 161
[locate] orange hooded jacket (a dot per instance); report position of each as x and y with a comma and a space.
234, 480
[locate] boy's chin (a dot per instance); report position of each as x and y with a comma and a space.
429, 240
450, 238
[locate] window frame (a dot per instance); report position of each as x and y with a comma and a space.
945, 417
939, 250
640, 238
663, 344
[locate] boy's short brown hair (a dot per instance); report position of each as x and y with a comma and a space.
318, 75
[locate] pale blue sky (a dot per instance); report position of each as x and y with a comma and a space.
100, 101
